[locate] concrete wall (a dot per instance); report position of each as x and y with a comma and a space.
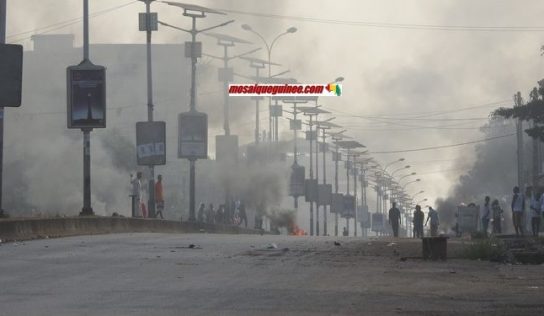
32, 228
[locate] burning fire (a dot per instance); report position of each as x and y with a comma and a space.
297, 231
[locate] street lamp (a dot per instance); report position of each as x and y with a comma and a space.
399, 169
407, 183
312, 111
392, 163
269, 47
194, 12
420, 192
324, 126
406, 175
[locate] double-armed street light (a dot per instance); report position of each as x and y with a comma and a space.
269, 47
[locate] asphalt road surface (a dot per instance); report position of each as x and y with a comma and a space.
158, 274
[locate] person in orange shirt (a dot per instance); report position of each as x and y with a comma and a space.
159, 197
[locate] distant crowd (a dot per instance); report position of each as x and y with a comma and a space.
232, 214
418, 221
138, 194
490, 213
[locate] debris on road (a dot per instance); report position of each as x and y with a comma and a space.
272, 246
336, 243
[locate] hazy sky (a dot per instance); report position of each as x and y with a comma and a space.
394, 69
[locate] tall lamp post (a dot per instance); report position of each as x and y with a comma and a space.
324, 126
407, 183
269, 50
226, 74
194, 51
257, 64
311, 112
336, 137
149, 25
348, 145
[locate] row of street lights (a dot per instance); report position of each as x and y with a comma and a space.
384, 182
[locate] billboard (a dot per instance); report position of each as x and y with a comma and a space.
193, 135
226, 148
11, 74
86, 87
337, 203
325, 194
310, 190
323, 147
296, 183
151, 143
295, 125
349, 206
311, 135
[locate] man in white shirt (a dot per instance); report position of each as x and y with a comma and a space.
486, 215
136, 184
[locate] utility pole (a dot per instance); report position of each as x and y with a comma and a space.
363, 195
311, 171
355, 222
316, 179
3, 14
194, 51
226, 74
519, 133
325, 232
150, 106
347, 185
311, 174
337, 155
87, 209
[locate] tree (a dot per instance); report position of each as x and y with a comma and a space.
531, 111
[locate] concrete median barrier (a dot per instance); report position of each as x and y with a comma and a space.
35, 228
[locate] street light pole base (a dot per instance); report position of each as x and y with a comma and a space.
86, 211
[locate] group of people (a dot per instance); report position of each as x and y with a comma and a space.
418, 221
233, 214
139, 206
493, 212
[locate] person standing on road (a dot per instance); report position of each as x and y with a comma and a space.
497, 217
243, 214
486, 216
200, 214
210, 214
159, 197
220, 214
136, 184
432, 216
394, 219
419, 217
536, 210
518, 207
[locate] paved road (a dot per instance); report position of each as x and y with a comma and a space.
156, 274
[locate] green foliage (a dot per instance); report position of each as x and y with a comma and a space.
531, 111
490, 249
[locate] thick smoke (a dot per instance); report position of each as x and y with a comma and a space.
492, 174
